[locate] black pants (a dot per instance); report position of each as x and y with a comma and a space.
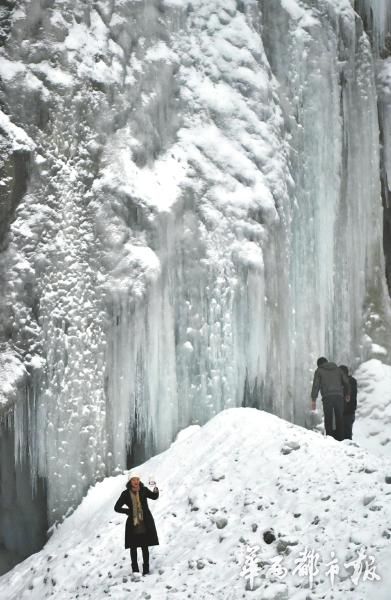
348, 421
133, 555
334, 405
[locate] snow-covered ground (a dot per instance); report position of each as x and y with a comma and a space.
221, 487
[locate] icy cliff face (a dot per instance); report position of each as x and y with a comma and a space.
376, 15
193, 217
384, 92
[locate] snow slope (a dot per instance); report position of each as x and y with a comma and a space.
222, 486
373, 417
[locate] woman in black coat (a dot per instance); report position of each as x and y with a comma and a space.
140, 527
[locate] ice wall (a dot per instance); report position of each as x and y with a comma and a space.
335, 220
200, 218
376, 15
23, 517
384, 105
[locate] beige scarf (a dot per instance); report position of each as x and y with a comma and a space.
138, 516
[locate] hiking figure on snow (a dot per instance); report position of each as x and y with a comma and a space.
140, 530
349, 413
333, 384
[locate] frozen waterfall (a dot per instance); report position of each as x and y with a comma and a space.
192, 213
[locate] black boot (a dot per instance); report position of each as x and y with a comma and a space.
133, 556
145, 560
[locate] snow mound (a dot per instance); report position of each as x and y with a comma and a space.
244, 473
373, 416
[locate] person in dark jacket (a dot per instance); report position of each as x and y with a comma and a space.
349, 411
140, 530
333, 385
